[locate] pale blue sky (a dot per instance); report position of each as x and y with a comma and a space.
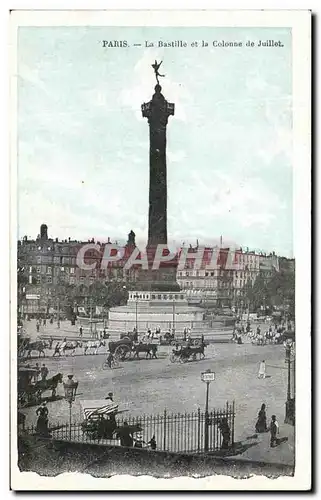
83, 145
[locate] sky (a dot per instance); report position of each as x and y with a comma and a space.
83, 151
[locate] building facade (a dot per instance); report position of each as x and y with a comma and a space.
223, 281
50, 279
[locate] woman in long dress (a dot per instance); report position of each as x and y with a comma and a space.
261, 425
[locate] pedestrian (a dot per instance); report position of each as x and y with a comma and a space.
44, 322
110, 396
226, 433
185, 334
51, 320
139, 441
274, 430
261, 373
260, 425
125, 435
36, 375
42, 421
152, 443
38, 326
44, 372
80, 332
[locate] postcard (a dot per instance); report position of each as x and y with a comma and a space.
160, 243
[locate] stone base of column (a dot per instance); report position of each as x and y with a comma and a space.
162, 279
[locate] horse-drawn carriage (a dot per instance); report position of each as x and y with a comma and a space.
167, 339
100, 420
125, 349
30, 390
184, 353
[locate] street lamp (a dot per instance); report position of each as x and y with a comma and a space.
290, 402
173, 315
207, 377
70, 388
136, 297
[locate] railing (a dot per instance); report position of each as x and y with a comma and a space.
181, 432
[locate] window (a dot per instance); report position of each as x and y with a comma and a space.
81, 279
170, 297
38, 260
153, 296
212, 274
72, 270
187, 274
72, 281
38, 270
159, 297
38, 279
165, 296
30, 280
49, 270
206, 274
176, 297
62, 269
49, 279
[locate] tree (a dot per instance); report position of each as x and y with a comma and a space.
277, 290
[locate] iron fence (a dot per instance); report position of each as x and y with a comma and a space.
181, 432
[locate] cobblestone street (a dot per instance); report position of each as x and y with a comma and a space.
149, 386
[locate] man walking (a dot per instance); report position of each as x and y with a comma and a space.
274, 430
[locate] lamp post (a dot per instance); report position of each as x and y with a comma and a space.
207, 377
70, 388
58, 322
289, 405
136, 314
173, 317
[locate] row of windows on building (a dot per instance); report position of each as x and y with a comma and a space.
161, 296
225, 273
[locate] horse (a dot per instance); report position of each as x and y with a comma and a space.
93, 345
66, 346
38, 345
49, 384
150, 349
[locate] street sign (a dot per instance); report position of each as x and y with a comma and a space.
208, 376
32, 296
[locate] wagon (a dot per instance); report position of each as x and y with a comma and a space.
121, 349
187, 353
26, 389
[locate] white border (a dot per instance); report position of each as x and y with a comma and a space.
299, 21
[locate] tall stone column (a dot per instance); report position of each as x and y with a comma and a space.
157, 112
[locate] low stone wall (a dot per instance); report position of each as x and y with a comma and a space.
50, 458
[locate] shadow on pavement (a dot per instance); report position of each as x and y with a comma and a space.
237, 449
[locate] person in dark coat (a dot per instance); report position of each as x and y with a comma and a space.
152, 443
260, 425
226, 433
274, 430
42, 422
125, 435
